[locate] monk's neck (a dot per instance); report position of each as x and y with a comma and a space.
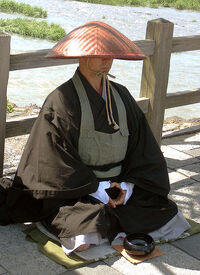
95, 81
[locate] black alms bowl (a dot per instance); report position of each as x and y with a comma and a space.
139, 244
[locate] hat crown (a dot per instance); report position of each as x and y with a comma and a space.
95, 39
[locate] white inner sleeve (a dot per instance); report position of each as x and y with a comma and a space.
90, 238
128, 186
101, 194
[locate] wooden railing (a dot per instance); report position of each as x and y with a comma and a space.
153, 100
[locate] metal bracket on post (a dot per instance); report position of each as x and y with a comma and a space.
155, 73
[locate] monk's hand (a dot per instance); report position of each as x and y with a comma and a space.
111, 202
120, 198
122, 194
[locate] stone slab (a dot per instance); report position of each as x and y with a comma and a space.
170, 130
188, 200
3, 271
192, 171
28, 261
99, 268
184, 142
190, 245
19, 256
174, 261
178, 180
176, 159
195, 153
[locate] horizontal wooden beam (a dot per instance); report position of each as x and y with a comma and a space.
186, 43
143, 103
19, 126
22, 125
182, 98
36, 59
146, 46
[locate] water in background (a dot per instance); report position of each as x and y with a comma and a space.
32, 86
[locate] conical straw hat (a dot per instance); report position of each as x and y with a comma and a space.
96, 39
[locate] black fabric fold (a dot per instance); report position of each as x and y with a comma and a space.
105, 167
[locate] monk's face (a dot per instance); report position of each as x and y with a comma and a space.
97, 64
100, 64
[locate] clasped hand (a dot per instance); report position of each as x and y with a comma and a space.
120, 198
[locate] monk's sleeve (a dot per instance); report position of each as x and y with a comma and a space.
144, 164
50, 166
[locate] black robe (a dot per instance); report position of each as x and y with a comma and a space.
52, 184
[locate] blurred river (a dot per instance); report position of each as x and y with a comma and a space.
32, 86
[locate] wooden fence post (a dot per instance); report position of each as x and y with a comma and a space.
155, 73
4, 73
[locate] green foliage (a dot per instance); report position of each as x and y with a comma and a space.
32, 28
9, 108
157, 3
134, 3
26, 9
116, 2
178, 4
189, 4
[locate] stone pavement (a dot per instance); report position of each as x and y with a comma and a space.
182, 153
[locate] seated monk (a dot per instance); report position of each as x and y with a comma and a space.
92, 168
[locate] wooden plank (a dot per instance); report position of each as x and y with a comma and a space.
186, 43
4, 73
22, 125
19, 126
143, 103
182, 98
156, 72
146, 46
36, 59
